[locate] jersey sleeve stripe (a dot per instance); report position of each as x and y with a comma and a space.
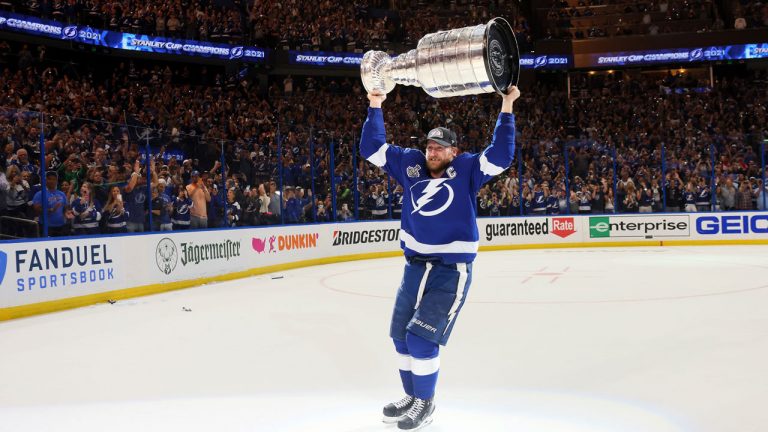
488, 168
380, 157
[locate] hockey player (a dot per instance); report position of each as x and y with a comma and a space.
440, 239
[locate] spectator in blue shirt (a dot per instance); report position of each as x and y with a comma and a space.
539, 204
57, 204
233, 211
762, 199
293, 207
114, 212
87, 212
217, 205
181, 216
135, 194
322, 213
397, 202
161, 220
553, 207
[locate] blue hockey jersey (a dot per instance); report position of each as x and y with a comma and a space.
439, 215
539, 202
87, 216
181, 215
704, 197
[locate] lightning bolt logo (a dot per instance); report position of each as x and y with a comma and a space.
427, 195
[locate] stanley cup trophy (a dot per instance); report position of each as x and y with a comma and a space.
466, 61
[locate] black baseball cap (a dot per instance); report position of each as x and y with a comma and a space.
443, 136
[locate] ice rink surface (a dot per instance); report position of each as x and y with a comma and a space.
566, 340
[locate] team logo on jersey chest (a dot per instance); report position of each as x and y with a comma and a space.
413, 171
432, 196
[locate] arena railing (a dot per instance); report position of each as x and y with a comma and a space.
318, 176
17, 228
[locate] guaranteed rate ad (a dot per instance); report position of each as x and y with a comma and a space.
128, 41
528, 230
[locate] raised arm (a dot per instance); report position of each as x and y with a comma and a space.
206, 192
499, 154
153, 172
373, 145
134, 177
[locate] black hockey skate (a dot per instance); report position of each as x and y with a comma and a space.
418, 416
396, 410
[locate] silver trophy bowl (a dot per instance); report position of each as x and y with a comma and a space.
466, 61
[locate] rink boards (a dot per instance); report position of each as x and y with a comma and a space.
42, 276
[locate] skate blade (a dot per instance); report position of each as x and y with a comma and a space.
391, 420
424, 424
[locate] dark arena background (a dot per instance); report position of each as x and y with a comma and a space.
621, 280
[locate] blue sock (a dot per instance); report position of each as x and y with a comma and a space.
404, 364
425, 365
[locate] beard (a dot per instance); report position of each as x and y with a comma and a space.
437, 166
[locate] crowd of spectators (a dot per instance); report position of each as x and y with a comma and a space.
587, 19
225, 153
390, 24
662, 133
199, 19
750, 14
584, 19
335, 26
